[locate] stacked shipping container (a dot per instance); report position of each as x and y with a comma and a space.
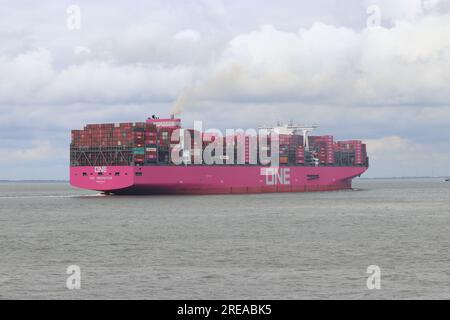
112, 144
323, 145
353, 150
150, 143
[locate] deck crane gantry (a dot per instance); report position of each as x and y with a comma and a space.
293, 129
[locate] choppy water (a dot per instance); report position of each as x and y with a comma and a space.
288, 246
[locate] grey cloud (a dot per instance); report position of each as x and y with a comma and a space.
406, 64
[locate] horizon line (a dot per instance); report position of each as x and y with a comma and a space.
358, 178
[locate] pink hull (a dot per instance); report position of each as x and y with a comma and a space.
212, 179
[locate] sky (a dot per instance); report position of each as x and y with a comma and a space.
376, 70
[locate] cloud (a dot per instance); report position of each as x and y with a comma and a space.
188, 35
394, 156
406, 64
32, 78
25, 75
391, 144
395, 10
39, 150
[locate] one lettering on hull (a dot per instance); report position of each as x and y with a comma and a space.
100, 169
277, 176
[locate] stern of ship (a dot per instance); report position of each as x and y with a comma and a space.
105, 178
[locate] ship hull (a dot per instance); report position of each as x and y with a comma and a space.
212, 179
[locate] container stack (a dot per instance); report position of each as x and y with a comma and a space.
300, 155
240, 140
151, 146
138, 143
122, 135
163, 143
229, 148
151, 143
365, 160
285, 142
324, 147
353, 152
358, 153
247, 149
266, 151
295, 142
79, 138
196, 146
111, 144
284, 154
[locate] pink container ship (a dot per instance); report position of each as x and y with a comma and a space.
138, 158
